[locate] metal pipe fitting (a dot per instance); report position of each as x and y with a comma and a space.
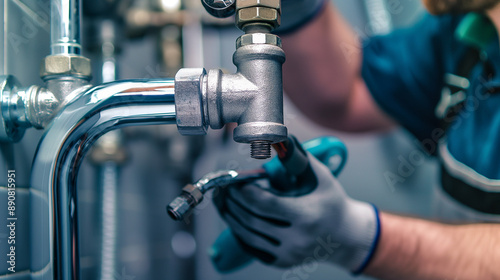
258, 15
40, 106
65, 62
262, 119
65, 72
189, 101
11, 110
257, 18
67, 65
22, 108
34, 106
53, 192
252, 97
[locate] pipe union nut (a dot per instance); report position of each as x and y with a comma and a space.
9, 131
261, 15
63, 64
189, 101
242, 4
258, 38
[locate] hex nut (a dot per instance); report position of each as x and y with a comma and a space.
258, 38
193, 192
180, 208
242, 4
189, 101
261, 15
64, 64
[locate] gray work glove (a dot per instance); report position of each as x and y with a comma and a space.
325, 224
296, 13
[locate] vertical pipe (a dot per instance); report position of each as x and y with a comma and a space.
65, 27
108, 180
109, 170
192, 47
109, 67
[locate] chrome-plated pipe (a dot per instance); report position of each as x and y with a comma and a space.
65, 27
59, 155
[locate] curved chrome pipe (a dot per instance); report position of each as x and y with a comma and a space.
53, 194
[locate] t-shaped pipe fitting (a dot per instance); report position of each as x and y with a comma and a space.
259, 58
252, 97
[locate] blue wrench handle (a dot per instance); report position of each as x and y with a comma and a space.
226, 253
330, 151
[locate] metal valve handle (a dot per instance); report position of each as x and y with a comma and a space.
220, 8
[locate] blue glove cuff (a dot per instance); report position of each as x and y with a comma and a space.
370, 255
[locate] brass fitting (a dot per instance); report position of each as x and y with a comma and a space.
258, 12
273, 4
65, 64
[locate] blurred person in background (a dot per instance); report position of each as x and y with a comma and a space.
440, 80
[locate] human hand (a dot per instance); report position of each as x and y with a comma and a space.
324, 224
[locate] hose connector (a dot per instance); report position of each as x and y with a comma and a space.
182, 206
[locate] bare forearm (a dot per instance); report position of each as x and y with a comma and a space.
322, 75
417, 249
315, 60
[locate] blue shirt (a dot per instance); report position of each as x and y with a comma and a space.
405, 73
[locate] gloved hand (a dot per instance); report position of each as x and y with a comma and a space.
324, 224
296, 13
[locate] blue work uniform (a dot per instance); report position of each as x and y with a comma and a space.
408, 73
